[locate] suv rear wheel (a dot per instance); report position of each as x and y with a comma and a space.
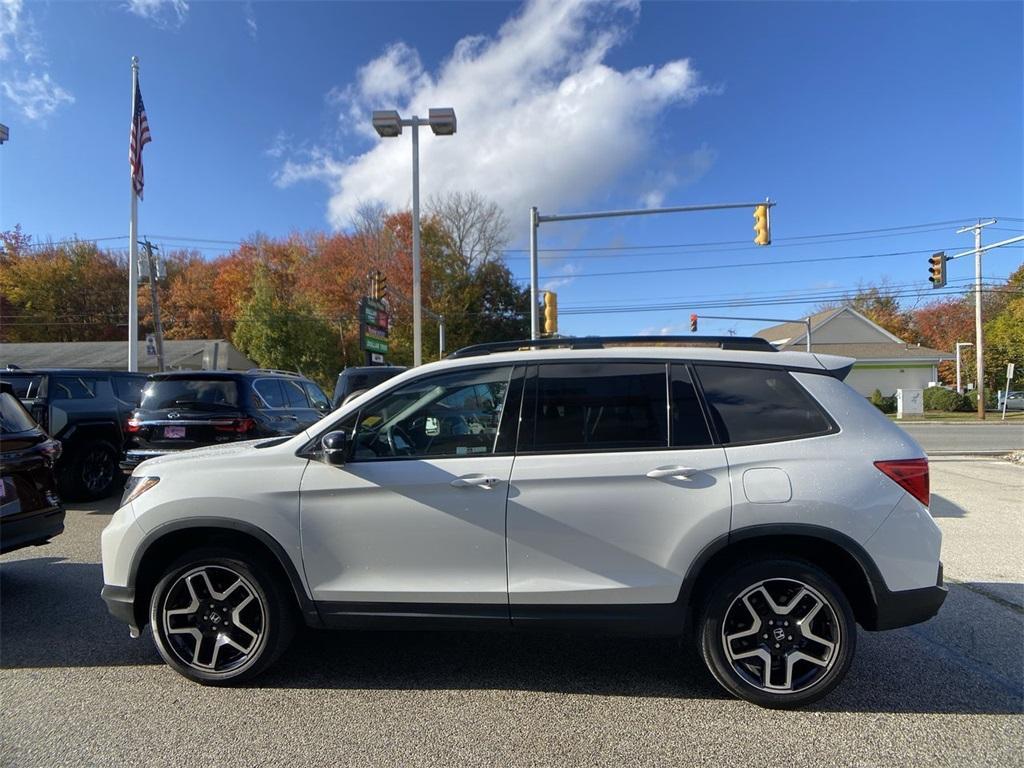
219, 616
91, 472
778, 633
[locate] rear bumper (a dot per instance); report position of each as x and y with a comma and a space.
121, 604
910, 606
28, 530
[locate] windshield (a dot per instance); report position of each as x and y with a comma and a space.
198, 394
13, 417
25, 386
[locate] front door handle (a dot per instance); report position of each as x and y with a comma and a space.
468, 481
681, 472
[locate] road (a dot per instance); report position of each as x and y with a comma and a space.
990, 436
76, 691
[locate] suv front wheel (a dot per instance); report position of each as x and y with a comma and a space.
220, 617
778, 633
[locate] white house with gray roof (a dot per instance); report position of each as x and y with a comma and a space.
884, 361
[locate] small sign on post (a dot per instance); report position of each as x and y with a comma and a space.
1009, 378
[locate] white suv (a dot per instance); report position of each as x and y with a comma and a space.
721, 490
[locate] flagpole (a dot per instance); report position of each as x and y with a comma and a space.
133, 249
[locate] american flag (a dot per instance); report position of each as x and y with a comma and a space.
140, 138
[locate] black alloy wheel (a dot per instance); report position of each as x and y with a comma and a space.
220, 616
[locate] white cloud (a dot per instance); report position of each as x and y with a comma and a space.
250, 21
565, 275
37, 96
165, 13
543, 120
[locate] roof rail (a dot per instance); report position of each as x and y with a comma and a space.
274, 371
745, 343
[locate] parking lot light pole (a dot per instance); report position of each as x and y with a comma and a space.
388, 124
959, 345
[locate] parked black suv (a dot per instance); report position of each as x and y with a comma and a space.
189, 409
86, 410
355, 380
30, 509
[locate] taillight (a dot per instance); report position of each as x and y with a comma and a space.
238, 426
909, 474
133, 425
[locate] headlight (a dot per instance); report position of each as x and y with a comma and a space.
136, 486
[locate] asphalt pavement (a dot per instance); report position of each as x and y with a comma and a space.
991, 435
76, 691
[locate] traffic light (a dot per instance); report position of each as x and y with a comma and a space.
550, 312
937, 269
693, 323
382, 286
762, 232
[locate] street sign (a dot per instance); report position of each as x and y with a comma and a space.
376, 358
1009, 371
150, 345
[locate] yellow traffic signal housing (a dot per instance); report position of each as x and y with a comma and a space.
550, 312
937, 269
762, 231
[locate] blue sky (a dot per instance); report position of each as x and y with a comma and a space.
852, 117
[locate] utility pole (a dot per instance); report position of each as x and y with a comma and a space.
158, 329
979, 333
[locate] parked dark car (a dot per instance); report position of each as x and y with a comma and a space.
31, 512
190, 409
86, 410
356, 380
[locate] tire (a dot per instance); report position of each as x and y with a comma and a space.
92, 473
208, 595
785, 616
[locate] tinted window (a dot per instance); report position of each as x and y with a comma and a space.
25, 387
129, 388
759, 404
294, 394
316, 396
72, 388
13, 418
201, 394
455, 414
603, 406
689, 427
271, 392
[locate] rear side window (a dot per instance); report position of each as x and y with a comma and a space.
757, 405
72, 388
25, 387
13, 417
600, 407
129, 388
294, 394
270, 392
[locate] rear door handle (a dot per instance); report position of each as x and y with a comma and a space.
468, 481
674, 471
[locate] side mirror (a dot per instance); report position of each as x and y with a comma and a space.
335, 447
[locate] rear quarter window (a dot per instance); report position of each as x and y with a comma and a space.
760, 405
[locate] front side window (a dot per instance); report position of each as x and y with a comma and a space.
455, 414
754, 405
599, 407
317, 397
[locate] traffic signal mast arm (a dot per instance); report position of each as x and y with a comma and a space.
984, 248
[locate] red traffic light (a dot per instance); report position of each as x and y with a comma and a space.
693, 323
